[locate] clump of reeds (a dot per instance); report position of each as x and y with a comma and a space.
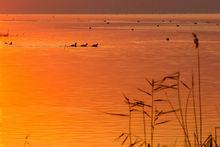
182, 115
128, 137
156, 86
136, 105
196, 134
174, 83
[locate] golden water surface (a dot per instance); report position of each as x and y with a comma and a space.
57, 96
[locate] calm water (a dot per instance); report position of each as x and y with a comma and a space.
57, 96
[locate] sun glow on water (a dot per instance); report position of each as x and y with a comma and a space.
58, 95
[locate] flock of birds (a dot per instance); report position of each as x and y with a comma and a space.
82, 45
96, 44
86, 44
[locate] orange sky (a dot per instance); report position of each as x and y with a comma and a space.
71, 6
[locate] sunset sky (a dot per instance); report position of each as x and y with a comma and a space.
109, 6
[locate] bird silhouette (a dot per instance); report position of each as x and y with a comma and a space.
95, 45
84, 45
73, 45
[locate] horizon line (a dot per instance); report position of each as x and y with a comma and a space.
109, 13
106, 11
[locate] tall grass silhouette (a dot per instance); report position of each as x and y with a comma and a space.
182, 115
196, 42
171, 83
128, 136
156, 86
196, 134
135, 105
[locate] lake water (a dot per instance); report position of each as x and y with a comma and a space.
58, 96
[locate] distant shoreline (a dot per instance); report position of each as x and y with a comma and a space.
107, 12
218, 13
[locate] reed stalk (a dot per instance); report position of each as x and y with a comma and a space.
180, 102
200, 98
182, 120
179, 120
152, 114
196, 42
186, 111
129, 119
144, 124
129, 125
194, 110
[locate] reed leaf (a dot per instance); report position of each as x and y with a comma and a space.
124, 140
142, 144
158, 88
163, 122
163, 87
135, 143
141, 90
117, 114
149, 82
141, 103
171, 111
134, 110
148, 105
160, 100
159, 113
122, 134
126, 98
156, 118
174, 76
185, 85
147, 114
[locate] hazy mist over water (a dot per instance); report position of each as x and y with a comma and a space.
109, 6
